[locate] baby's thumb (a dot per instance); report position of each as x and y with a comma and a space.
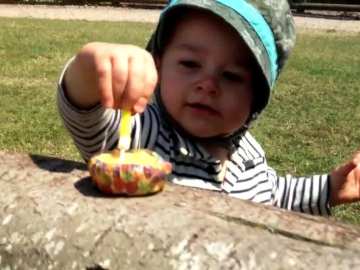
347, 167
350, 165
140, 105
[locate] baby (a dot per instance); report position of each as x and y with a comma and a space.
211, 66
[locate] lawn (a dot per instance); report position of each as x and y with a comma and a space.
310, 126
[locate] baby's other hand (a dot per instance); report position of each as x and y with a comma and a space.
118, 76
345, 182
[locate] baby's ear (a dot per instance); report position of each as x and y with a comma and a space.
157, 60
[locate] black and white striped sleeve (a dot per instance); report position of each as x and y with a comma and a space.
303, 194
92, 130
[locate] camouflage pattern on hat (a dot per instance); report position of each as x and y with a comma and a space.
278, 15
266, 26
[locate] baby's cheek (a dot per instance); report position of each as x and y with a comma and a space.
235, 115
170, 98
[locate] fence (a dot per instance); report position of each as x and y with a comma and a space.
336, 5
299, 5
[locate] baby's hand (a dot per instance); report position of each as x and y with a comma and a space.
345, 182
118, 76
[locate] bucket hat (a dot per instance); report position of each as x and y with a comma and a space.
266, 26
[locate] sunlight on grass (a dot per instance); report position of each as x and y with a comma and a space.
312, 122
314, 111
33, 53
310, 126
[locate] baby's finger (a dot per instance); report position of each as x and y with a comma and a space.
103, 78
150, 81
119, 78
135, 82
140, 105
151, 76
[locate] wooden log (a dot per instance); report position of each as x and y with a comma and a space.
52, 217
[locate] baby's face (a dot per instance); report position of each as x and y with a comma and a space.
205, 77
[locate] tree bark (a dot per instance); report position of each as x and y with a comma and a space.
52, 217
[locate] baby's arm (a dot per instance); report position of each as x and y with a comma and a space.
317, 193
92, 126
92, 130
302, 194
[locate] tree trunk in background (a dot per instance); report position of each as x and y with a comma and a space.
51, 217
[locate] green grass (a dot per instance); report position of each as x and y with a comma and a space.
312, 123
310, 126
32, 54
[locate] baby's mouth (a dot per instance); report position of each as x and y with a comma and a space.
202, 108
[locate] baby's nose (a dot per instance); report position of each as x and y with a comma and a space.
208, 84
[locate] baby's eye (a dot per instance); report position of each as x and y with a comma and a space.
189, 63
232, 76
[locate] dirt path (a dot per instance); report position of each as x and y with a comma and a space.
124, 14
90, 13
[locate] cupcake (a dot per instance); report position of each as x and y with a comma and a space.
131, 173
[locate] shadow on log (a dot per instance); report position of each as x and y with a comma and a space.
52, 217
54, 164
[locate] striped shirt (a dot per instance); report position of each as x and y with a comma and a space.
246, 175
